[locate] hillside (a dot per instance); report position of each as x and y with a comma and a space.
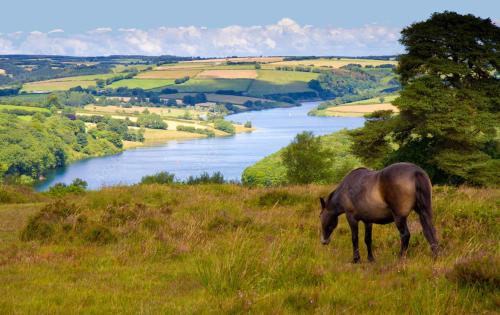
270, 170
228, 249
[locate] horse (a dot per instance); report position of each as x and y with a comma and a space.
380, 197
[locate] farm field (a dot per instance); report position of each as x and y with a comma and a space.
65, 83
213, 85
358, 110
273, 82
25, 108
219, 98
227, 74
331, 62
146, 84
187, 249
167, 74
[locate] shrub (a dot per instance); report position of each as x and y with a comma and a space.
223, 125
76, 187
158, 178
480, 269
205, 178
248, 124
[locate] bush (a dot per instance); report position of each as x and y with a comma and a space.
480, 269
208, 133
248, 124
205, 178
223, 125
159, 178
153, 121
76, 187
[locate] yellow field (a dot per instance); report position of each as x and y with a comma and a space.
359, 110
168, 74
240, 59
156, 136
55, 85
135, 110
2, 72
184, 65
227, 74
331, 63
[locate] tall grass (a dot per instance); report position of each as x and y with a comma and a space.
230, 249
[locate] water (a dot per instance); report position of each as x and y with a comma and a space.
229, 155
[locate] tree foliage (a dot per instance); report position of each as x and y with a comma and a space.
306, 160
449, 105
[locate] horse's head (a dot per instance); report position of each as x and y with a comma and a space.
329, 220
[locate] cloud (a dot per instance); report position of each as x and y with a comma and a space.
285, 37
57, 30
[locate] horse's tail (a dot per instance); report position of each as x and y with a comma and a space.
423, 206
423, 190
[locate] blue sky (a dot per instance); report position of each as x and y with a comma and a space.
218, 27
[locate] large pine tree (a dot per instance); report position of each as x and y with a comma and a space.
449, 118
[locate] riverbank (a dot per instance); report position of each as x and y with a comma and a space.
274, 129
355, 109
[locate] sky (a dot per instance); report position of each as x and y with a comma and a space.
218, 27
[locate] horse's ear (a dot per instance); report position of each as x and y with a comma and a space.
323, 203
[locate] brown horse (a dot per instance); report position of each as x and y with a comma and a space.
380, 197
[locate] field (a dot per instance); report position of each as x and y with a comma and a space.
331, 63
227, 74
359, 108
213, 85
220, 98
3, 72
24, 108
222, 249
168, 74
274, 82
239, 59
146, 84
66, 83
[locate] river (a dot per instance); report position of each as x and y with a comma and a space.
229, 155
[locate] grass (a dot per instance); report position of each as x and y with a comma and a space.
168, 74
229, 249
359, 108
227, 74
25, 108
213, 85
276, 82
146, 84
66, 83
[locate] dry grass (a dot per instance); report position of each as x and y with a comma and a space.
227, 74
223, 249
359, 110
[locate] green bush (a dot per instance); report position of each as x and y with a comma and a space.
158, 178
223, 125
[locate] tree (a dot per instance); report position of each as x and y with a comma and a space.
53, 101
153, 121
306, 160
171, 102
223, 125
449, 105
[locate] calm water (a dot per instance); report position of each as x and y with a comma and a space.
229, 155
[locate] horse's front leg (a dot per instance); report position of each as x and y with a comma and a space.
368, 240
353, 223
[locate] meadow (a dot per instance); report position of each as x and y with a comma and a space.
145, 84
331, 62
30, 109
212, 249
66, 83
358, 108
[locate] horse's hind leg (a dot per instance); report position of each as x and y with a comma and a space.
429, 231
368, 240
404, 233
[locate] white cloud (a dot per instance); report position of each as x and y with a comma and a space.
285, 37
57, 30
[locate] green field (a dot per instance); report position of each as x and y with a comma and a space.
275, 82
227, 249
26, 108
213, 85
330, 62
146, 84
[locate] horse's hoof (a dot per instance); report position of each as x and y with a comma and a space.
356, 261
371, 259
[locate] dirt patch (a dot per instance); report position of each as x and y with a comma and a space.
227, 74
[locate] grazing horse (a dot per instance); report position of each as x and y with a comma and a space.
380, 197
